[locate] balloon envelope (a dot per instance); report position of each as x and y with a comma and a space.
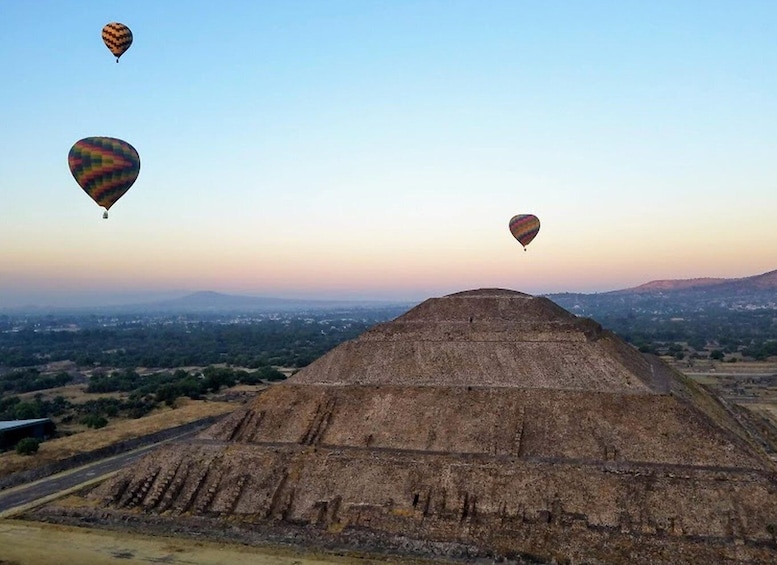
524, 228
104, 167
117, 37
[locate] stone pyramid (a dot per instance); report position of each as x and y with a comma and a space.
486, 423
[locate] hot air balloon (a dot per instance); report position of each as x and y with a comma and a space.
104, 167
118, 38
524, 228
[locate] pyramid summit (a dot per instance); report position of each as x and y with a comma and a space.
487, 338
486, 423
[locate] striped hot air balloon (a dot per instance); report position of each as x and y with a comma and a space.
524, 228
118, 38
104, 167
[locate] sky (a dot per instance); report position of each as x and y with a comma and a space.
376, 149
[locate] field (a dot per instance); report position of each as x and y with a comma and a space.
26, 543
749, 385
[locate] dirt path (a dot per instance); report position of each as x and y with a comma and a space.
28, 543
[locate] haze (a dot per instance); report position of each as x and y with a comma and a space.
377, 150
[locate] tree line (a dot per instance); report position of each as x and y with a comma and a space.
142, 394
287, 342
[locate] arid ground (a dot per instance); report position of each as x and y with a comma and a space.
27, 543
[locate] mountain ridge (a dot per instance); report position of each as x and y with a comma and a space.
213, 301
764, 281
208, 299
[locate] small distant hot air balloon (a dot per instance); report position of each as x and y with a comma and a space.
118, 38
524, 228
104, 167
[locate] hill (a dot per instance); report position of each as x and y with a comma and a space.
756, 283
735, 316
210, 302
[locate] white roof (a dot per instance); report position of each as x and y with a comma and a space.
13, 424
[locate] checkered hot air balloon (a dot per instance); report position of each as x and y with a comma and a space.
104, 167
524, 228
118, 38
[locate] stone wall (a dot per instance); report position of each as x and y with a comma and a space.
659, 429
476, 500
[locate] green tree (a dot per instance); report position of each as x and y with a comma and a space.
168, 393
94, 421
27, 446
27, 411
270, 374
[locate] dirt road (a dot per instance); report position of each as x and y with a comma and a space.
49, 487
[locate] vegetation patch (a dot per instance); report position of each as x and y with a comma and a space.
115, 432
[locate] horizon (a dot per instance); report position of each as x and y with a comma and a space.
377, 150
88, 299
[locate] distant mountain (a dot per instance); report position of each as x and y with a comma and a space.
209, 302
676, 298
766, 281
680, 284
216, 302
735, 316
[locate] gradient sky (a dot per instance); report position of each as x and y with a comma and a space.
378, 149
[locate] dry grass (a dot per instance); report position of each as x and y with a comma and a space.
75, 393
25, 543
712, 368
246, 388
114, 432
705, 379
766, 410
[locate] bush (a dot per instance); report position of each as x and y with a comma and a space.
94, 421
27, 446
26, 411
270, 374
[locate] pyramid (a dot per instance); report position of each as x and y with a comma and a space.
486, 423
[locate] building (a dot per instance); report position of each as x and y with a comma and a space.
11, 431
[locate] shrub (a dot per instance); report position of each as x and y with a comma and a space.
94, 421
27, 446
26, 411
